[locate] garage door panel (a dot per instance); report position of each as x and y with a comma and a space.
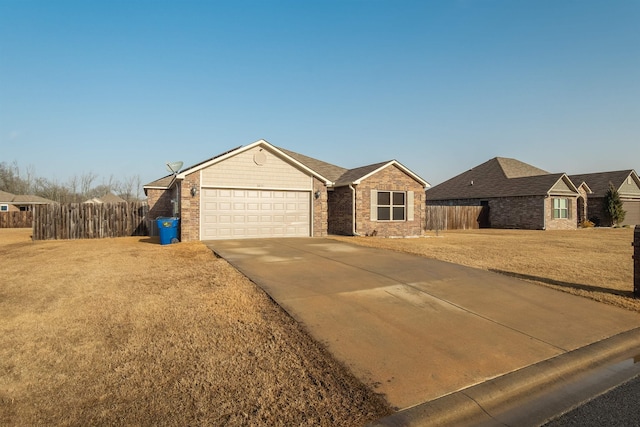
632, 215
252, 213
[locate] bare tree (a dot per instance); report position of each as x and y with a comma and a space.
52, 190
30, 179
72, 186
129, 188
86, 183
76, 189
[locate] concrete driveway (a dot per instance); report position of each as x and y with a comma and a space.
413, 328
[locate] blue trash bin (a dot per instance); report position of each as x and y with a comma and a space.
168, 229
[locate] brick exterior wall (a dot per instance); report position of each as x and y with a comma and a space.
570, 223
582, 203
320, 209
190, 208
159, 202
526, 212
389, 179
596, 214
340, 211
517, 212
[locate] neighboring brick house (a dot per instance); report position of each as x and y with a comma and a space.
628, 185
21, 202
515, 194
260, 190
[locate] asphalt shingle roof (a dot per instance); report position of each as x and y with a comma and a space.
325, 169
340, 176
354, 174
599, 182
23, 199
498, 177
6, 197
336, 174
163, 182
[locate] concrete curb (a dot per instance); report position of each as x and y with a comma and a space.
480, 403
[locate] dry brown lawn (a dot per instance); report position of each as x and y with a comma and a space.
127, 332
594, 262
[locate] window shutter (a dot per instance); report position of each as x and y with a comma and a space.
409, 205
374, 205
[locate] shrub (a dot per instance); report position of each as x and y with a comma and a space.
585, 223
613, 206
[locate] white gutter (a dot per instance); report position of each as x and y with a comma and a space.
353, 211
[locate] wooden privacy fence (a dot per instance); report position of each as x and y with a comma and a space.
89, 220
18, 219
453, 217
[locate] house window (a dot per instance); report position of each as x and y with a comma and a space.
561, 209
391, 206
4, 208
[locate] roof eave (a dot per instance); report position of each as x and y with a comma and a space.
239, 150
567, 181
400, 166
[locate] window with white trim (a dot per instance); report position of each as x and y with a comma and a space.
4, 207
561, 208
391, 206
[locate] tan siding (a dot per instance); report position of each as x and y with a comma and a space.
561, 187
632, 216
629, 189
242, 171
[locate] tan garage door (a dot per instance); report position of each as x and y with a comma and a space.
632, 207
243, 214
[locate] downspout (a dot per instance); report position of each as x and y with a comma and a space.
353, 210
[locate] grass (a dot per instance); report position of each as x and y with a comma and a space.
595, 263
127, 332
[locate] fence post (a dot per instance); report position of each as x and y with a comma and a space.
636, 262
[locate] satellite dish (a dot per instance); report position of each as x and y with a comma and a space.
174, 167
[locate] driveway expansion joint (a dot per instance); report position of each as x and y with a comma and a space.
456, 328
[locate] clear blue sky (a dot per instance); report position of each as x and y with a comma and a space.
121, 87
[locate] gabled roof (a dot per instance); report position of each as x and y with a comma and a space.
167, 181
161, 184
23, 199
599, 182
354, 176
500, 177
6, 197
357, 175
331, 174
261, 142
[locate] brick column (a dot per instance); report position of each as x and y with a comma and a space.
636, 262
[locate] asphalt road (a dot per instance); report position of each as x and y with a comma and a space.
618, 407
